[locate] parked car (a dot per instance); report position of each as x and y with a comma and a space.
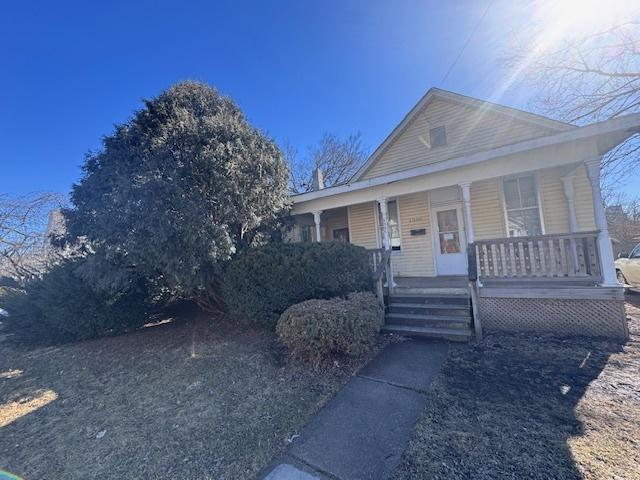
628, 268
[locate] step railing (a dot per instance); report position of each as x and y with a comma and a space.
544, 257
381, 268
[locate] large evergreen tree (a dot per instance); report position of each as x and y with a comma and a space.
177, 190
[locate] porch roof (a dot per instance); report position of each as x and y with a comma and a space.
565, 148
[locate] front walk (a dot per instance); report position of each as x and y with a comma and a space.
362, 432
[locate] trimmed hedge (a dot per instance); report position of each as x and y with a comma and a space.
260, 284
316, 330
62, 307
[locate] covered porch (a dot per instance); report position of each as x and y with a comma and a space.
536, 227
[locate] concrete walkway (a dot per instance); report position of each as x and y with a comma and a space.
362, 432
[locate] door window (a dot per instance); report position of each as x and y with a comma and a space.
448, 231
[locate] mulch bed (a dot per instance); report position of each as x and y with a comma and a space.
533, 406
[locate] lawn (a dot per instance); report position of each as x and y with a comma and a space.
185, 399
533, 406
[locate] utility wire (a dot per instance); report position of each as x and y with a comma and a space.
466, 44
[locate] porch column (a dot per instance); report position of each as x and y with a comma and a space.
604, 242
386, 239
316, 220
466, 201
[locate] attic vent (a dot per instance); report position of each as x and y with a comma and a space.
438, 137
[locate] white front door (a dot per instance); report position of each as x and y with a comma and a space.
450, 243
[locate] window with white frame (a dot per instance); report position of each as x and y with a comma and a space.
521, 204
394, 224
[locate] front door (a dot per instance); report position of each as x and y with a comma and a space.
451, 256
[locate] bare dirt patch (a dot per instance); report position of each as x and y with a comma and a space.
187, 399
533, 406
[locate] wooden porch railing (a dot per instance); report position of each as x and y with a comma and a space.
573, 255
380, 259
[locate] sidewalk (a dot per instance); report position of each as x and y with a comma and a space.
362, 432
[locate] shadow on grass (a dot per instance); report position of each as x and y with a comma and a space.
506, 408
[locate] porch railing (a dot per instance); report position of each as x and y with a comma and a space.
380, 266
572, 255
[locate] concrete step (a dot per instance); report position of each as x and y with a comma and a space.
435, 321
448, 333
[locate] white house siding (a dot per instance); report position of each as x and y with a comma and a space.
416, 256
487, 211
362, 225
468, 130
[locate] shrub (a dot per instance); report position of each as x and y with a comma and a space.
259, 285
62, 307
317, 329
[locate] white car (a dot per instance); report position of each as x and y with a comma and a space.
628, 268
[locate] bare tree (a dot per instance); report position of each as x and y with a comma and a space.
23, 229
623, 217
589, 78
338, 158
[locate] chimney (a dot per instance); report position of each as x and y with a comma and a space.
318, 179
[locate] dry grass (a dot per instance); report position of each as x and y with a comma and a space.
523, 406
188, 400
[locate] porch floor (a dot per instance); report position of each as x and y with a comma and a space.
462, 281
441, 281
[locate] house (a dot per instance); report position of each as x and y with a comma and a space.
480, 215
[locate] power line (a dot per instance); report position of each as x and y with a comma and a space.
466, 44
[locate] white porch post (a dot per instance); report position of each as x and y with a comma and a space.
386, 237
604, 242
316, 220
466, 201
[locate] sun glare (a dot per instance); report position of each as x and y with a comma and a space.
566, 19
552, 24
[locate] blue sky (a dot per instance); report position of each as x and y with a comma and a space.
71, 70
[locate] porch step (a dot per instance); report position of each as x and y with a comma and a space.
461, 299
430, 290
438, 313
429, 308
430, 321
448, 333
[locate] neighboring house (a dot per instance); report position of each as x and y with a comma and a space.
464, 188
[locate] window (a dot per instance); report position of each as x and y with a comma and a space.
438, 137
341, 235
394, 224
521, 203
636, 252
306, 233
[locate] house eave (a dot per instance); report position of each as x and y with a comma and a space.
464, 100
607, 134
